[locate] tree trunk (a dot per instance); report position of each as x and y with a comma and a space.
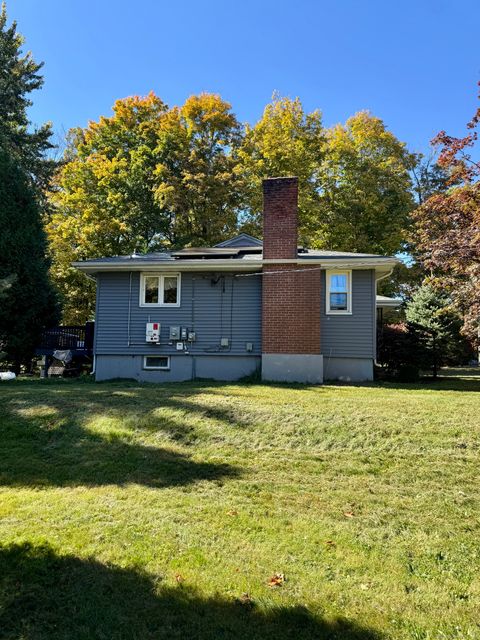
16, 366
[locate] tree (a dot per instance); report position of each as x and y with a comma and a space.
446, 232
286, 141
366, 188
438, 327
19, 76
197, 179
5, 284
103, 201
29, 302
428, 178
403, 281
146, 178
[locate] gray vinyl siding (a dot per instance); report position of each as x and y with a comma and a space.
351, 336
209, 309
212, 315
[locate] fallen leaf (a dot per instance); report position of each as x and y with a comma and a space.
245, 599
232, 513
179, 578
349, 514
276, 580
330, 543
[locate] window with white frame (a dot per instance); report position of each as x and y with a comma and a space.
339, 292
158, 363
160, 290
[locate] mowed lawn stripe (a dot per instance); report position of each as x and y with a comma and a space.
182, 501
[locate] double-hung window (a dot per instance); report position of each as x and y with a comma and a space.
339, 292
160, 290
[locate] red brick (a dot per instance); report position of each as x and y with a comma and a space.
290, 295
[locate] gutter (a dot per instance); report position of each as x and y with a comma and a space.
91, 266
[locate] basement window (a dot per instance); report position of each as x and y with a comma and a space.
160, 290
339, 292
157, 363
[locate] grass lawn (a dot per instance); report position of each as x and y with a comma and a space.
148, 512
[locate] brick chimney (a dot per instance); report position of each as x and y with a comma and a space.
290, 292
280, 218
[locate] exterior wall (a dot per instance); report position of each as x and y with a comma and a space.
346, 342
352, 336
283, 367
291, 309
348, 369
182, 367
212, 306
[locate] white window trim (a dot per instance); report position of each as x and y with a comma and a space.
145, 366
339, 312
161, 275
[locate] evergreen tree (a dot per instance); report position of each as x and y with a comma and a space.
5, 284
28, 302
19, 76
437, 327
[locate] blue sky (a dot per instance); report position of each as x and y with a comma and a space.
414, 64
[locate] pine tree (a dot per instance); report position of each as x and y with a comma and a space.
436, 325
28, 302
19, 76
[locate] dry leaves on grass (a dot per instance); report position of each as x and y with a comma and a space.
246, 600
276, 580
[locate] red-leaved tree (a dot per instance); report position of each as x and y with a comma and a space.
447, 225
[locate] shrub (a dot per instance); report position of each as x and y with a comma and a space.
399, 352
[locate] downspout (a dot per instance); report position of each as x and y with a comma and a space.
95, 326
377, 364
129, 311
194, 368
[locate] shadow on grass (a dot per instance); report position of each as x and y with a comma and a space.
442, 383
57, 449
46, 596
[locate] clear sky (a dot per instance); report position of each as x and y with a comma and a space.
413, 63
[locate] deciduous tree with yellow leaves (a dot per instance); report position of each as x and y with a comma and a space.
286, 141
366, 193
151, 177
146, 178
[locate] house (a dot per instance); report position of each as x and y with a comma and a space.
228, 311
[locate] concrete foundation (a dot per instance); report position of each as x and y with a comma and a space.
282, 367
348, 369
312, 369
182, 367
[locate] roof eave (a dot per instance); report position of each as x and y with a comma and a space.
174, 265
90, 267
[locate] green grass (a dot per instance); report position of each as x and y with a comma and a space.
148, 512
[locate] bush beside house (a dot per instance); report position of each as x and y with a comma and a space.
429, 339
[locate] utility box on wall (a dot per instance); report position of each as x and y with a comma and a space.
153, 332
